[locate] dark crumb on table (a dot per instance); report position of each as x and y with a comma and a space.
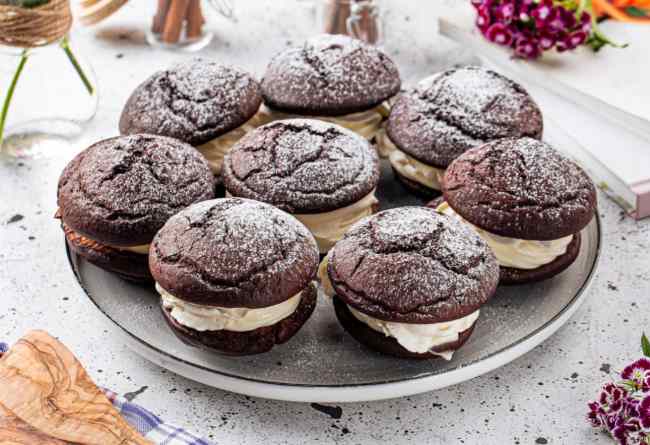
17, 217
335, 412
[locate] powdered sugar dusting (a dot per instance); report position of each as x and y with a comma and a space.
235, 248
413, 264
456, 110
521, 188
330, 75
302, 166
194, 102
122, 190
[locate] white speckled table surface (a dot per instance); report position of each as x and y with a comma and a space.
538, 399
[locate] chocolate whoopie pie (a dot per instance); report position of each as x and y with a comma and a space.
115, 195
526, 200
449, 113
204, 103
410, 282
333, 78
235, 275
321, 173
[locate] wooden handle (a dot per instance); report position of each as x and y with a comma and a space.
45, 386
95, 12
14, 431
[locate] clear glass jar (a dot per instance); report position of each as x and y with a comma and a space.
53, 96
182, 24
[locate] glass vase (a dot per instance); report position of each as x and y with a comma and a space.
47, 97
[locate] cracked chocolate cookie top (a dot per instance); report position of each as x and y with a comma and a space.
453, 111
194, 102
329, 75
120, 191
302, 166
233, 253
520, 188
413, 265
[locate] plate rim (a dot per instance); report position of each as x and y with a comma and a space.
355, 392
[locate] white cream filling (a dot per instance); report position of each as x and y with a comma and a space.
215, 150
324, 278
420, 338
329, 227
413, 337
412, 169
235, 319
364, 123
384, 145
514, 252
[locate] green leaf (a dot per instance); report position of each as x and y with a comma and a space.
33, 3
645, 345
10, 92
65, 44
24, 3
636, 12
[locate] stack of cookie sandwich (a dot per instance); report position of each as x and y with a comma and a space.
239, 275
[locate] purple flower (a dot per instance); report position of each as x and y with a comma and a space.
556, 21
483, 18
585, 23
543, 11
644, 412
528, 48
499, 33
636, 369
505, 12
595, 414
623, 408
638, 373
546, 41
564, 44
627, 431
612, 397
531, 27
577, 38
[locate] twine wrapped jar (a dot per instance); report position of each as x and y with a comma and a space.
47, 91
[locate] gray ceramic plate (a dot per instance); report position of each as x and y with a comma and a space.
322, 363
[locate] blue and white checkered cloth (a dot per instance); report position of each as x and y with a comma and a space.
149, 425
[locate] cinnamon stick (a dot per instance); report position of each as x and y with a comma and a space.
336, 14
195, 20
174, 21
368, 26
161, 14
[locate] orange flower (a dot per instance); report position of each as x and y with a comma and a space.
616, 9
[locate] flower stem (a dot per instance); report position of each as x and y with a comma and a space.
10, 92
65, 44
